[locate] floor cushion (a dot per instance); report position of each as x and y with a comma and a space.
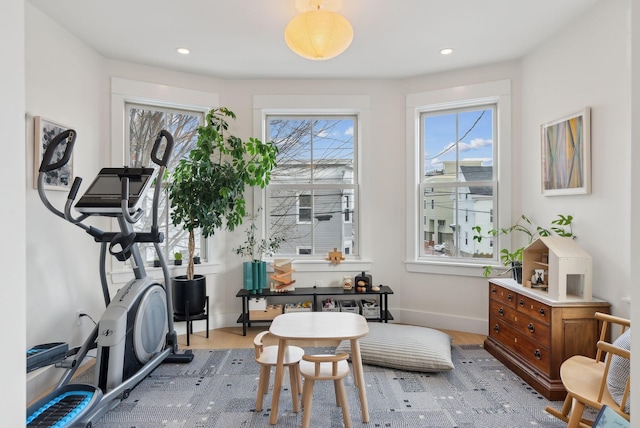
619, 370
404, 347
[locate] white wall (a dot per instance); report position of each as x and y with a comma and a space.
586, 65
64, 83
634, 31
594, 72
12, 213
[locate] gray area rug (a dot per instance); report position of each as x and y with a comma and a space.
218, 389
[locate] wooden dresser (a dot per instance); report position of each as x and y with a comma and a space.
533, 335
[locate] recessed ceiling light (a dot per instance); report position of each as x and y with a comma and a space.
183, 51
446, 51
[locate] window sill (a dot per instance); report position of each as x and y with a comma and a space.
442, 268
326, 266
123, 276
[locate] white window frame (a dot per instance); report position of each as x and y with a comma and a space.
358, 105
125, 91
497, 92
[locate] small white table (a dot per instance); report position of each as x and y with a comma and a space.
320, 326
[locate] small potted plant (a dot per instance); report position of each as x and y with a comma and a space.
177, 259
512, 259
255, 271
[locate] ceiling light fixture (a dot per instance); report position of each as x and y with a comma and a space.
446, 51
318, 34
183, 51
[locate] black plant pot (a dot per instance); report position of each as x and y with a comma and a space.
193, 291
517, 271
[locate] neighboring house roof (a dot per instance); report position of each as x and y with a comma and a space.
478, 173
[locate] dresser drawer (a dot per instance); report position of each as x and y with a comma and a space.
533, 308
533, 329
503, 311
533, 353
504, 295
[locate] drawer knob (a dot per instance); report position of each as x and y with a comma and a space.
501, 311
531, 328
493, 290
541, 311
509, 297
496, 328
521, 302
537, 354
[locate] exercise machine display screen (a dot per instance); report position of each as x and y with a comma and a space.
104, 195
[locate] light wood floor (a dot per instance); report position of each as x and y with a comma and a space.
231, 337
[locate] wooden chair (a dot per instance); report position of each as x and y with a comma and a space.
267, 357
324, 367
585, 379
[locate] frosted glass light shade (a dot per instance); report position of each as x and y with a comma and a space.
318, 34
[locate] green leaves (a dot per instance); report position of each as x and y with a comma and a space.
561, 226
257, 248
207, 189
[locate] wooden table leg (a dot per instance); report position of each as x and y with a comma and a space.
277, 382
359, 378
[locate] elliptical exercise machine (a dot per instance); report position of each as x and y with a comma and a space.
136, 332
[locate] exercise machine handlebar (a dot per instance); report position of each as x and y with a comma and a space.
68, 136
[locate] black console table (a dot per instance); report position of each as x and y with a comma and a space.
314, 292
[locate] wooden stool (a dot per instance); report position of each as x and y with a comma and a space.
267, 357
324, 367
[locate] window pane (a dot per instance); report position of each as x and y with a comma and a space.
452, 137
325, 229
448, 229
333, 152
458, 185
293, 139
144, 124
312, 197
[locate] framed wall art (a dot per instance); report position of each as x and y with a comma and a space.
45, 132
566, 155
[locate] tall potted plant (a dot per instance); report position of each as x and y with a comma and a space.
206, 189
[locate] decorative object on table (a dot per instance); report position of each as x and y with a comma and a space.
335, 256
347, 282
282, 271
45, 131
561, 226
363, 281
207, 188
254, 272
566, 155
538, 277
566, 268
177, 259
375, 287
